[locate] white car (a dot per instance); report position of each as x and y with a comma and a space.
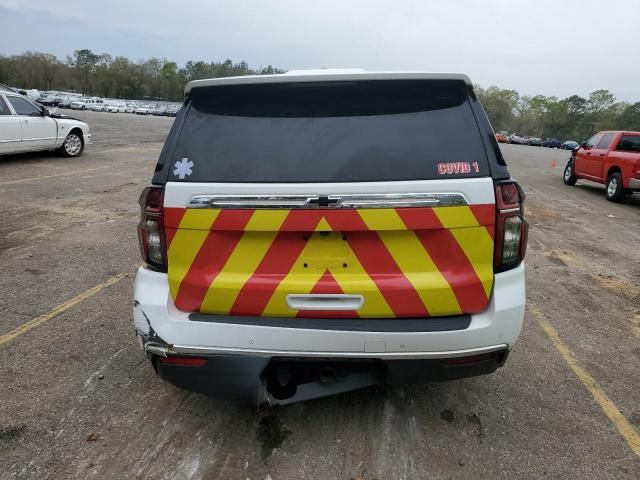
517, 139
131, 108
143, 110
321, 241
117, 108
98, 107
78, 105
27, 127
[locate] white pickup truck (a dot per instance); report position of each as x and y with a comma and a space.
28, 127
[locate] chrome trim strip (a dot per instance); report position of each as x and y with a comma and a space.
510, 210
365, 200
634, 183
200, 350
156, 349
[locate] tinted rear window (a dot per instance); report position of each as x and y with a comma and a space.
329, 132
630, 143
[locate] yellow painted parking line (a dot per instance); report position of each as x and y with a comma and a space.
609, 408
63, 307
74, 172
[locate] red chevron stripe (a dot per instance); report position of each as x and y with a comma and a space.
327, 284
454, 265
214, 253
276, 264
380, 266
486, 215
419, 218
172, 219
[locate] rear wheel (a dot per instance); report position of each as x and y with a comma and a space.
73, 145
569, 176
615, 191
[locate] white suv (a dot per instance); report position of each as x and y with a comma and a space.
315, 232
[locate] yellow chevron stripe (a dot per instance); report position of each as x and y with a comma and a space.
352, 279
266, 220
477, 244
299, 280
244, 260
414, 261
382, 219
186, 244
356, 281
456, 217
475, 241
416, 264
323, 226
195, 219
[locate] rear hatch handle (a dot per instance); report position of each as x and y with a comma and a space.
325, 301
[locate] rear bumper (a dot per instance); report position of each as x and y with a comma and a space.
159, 323
243, 358
247, 359
255, 380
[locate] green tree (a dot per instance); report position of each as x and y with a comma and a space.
83, 62
629, 119
597, 109
500, 106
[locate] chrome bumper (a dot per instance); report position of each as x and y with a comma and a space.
164, 350
634, 183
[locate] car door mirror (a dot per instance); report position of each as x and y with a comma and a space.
44, 112
584, 144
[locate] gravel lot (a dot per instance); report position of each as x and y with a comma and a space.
79, 399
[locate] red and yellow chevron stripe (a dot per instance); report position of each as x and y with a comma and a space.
405, 262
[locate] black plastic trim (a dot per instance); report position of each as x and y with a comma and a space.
432, 324
245, 379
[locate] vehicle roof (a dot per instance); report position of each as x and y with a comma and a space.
325, 75
619, 131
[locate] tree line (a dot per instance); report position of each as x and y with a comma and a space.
103, 75
572, 118
89, 73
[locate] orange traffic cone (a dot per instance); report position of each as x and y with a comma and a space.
554, 164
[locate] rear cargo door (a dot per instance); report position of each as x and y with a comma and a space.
366, 199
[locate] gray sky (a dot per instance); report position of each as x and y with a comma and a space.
549, 47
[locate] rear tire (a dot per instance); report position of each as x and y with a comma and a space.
615, 190
569, 175
73, 145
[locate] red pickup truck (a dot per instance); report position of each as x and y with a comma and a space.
611, 158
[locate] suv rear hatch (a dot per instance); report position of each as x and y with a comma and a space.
330, 199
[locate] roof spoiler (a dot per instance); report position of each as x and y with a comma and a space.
328, 75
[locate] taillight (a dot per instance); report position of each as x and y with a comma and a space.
511, 227
636, 168
151, 228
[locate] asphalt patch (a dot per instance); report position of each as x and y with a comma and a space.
9, 434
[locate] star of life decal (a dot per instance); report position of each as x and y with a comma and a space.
183, 168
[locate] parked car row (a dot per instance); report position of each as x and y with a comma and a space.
99, 105
518, 139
